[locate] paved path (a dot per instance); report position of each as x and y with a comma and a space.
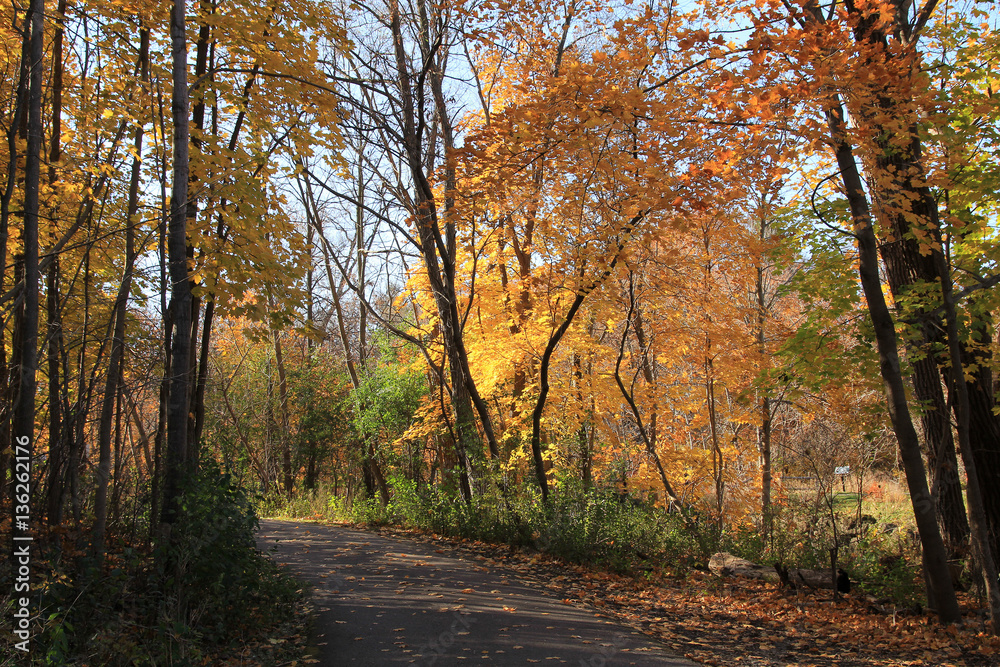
391, 601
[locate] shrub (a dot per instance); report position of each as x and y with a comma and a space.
223, 581
220, 591
583, 526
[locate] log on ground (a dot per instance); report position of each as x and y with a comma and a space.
727, 565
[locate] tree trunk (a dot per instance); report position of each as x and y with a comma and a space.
55, 340
935, 556
764, 430
437, 246
9, 382
181, 298
977, 513
24, 403
201, 381
285, 435
57, 453
905, 266
724, 564
112, 386
984, 441
554, 338
764, 436
370, 470
648, 435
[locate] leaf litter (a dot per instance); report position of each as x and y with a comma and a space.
740, 622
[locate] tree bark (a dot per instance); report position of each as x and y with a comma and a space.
550, 347
356, 360
286, 447
906, 204
115, 365
23, 426
977, 513
57, 454
55, 340
984, 438
935, 556
181, 297
648, 435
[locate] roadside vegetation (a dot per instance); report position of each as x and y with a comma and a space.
601, 527
224, 603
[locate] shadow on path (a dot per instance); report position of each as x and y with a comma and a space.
391, 601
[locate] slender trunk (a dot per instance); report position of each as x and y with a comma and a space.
717, 459
271, 426
310, 293
197, 106
143, 435
371, 471
181, 298
55, 151
361, 258
977, 514
112, 387
117, 470
55, 340
202, 378
935, 556
550, 347
437, 246
286, 448
648, 435
14, 126
191, 457
159, 441
718, 463
764, 435
581, 430
24, 404
81, 405
57, 447
764, 430
647, 370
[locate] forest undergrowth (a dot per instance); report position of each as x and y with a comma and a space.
228, 603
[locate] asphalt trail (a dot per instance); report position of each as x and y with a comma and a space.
392, 601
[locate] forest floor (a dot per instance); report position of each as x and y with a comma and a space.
700, 617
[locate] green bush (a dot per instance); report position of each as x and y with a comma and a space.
584, 526
600, 526
307, 503
221, 578
620, 532
199, 596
